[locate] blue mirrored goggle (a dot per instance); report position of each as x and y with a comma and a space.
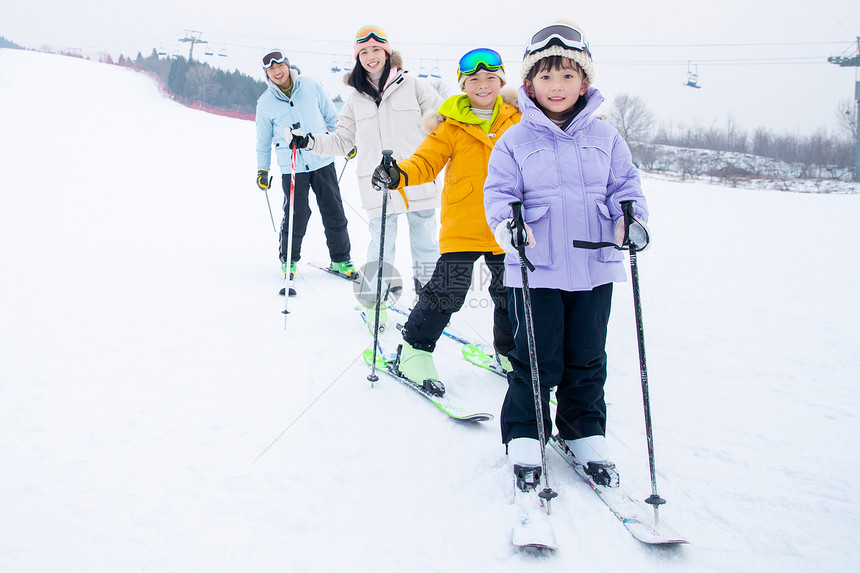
474, 60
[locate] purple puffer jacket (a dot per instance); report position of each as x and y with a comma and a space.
571, 183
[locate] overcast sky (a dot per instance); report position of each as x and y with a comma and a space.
761, 63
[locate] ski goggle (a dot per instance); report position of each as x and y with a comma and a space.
274, 57
560, 34
368, 32
485, 58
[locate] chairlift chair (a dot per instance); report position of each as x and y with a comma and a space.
435, 71
422, 72
692, 75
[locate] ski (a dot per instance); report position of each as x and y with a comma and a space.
532, 528
454, 411
478, 355
354, 277
635, 516
387, 362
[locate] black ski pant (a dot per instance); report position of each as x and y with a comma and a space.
324, 183
445, 293
570, 342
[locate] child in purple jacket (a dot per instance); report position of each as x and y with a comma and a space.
571, 171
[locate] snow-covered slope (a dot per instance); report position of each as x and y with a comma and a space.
158, 416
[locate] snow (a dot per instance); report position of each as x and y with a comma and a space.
159, 413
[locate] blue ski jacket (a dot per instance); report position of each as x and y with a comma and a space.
308, 106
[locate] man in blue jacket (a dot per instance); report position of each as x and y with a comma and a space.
289, 100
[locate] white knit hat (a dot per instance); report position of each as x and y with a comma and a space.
581, 57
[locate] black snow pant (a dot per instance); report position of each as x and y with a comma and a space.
570, 341
324, 183
445, 293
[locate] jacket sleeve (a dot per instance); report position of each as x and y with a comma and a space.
503, 184
340, 141
327, 108
265, 130
624, 182
428, 98
429, 158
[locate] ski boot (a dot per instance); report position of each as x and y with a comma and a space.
292, 271
524, 455
346, 269
417, 366
528, 477
370, 313
592, 453
502, 363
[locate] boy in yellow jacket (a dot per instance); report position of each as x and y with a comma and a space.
462, 135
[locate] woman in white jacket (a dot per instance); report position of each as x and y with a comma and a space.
384, 112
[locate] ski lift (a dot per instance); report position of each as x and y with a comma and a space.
422, 72
222, 53
692, 75
435, 71
209, 52
334, 67
347, 66
162, 52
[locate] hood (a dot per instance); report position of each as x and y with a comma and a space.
294, 76
456, 106
532, 113
395, 59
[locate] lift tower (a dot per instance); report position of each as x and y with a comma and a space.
853, 61
192, 36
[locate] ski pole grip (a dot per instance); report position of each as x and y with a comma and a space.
296, 125
517, 208
627, 210
386, 157
518, 232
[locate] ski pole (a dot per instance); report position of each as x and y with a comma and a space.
631, 243
654, 499
349, 155
272, 217
520, 240
386, 160
290, 232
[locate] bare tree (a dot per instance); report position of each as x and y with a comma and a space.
736, 138
631, 118
846, 117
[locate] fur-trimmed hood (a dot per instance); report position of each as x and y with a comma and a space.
396, 62
433, 119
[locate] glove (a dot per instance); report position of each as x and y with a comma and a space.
619, 232
504, 234
263, 181
301, 140
383, 178
638, 234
